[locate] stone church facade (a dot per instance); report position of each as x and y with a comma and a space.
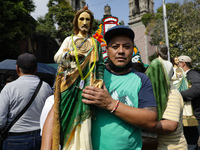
77, 4
137, 8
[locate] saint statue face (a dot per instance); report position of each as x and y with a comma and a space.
176, 61
84, 22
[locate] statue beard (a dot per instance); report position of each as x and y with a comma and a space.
84, 28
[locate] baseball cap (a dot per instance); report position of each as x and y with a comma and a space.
119, 29
27, 61
184, 58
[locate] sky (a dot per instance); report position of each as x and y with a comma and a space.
119, 8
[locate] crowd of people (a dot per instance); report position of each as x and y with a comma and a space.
98, 105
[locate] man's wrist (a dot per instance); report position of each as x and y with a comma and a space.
115, 108
112, 104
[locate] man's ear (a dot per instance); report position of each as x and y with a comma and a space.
183, 64
106, 48
35, 70
18, 71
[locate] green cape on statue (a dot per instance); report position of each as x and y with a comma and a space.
161, 84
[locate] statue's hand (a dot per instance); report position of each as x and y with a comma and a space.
98, 83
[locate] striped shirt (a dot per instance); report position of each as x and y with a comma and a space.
173, 112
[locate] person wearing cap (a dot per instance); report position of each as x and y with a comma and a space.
192, 94
179, 77
25, 133
81, 63
124, 104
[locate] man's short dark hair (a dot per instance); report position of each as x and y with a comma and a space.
27, 63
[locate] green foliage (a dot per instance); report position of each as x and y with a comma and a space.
146, 18
95, 26
15, 25
57, 23
183, 29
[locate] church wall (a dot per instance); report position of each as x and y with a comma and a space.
151, 49
139, 29
142, 41
77, 4
137, 8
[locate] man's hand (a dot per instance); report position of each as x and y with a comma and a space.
135, 116
98, 97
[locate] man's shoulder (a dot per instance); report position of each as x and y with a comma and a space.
45, 83
29, 79
141, 75
193, 73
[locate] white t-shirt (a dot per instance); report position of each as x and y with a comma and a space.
45, 111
